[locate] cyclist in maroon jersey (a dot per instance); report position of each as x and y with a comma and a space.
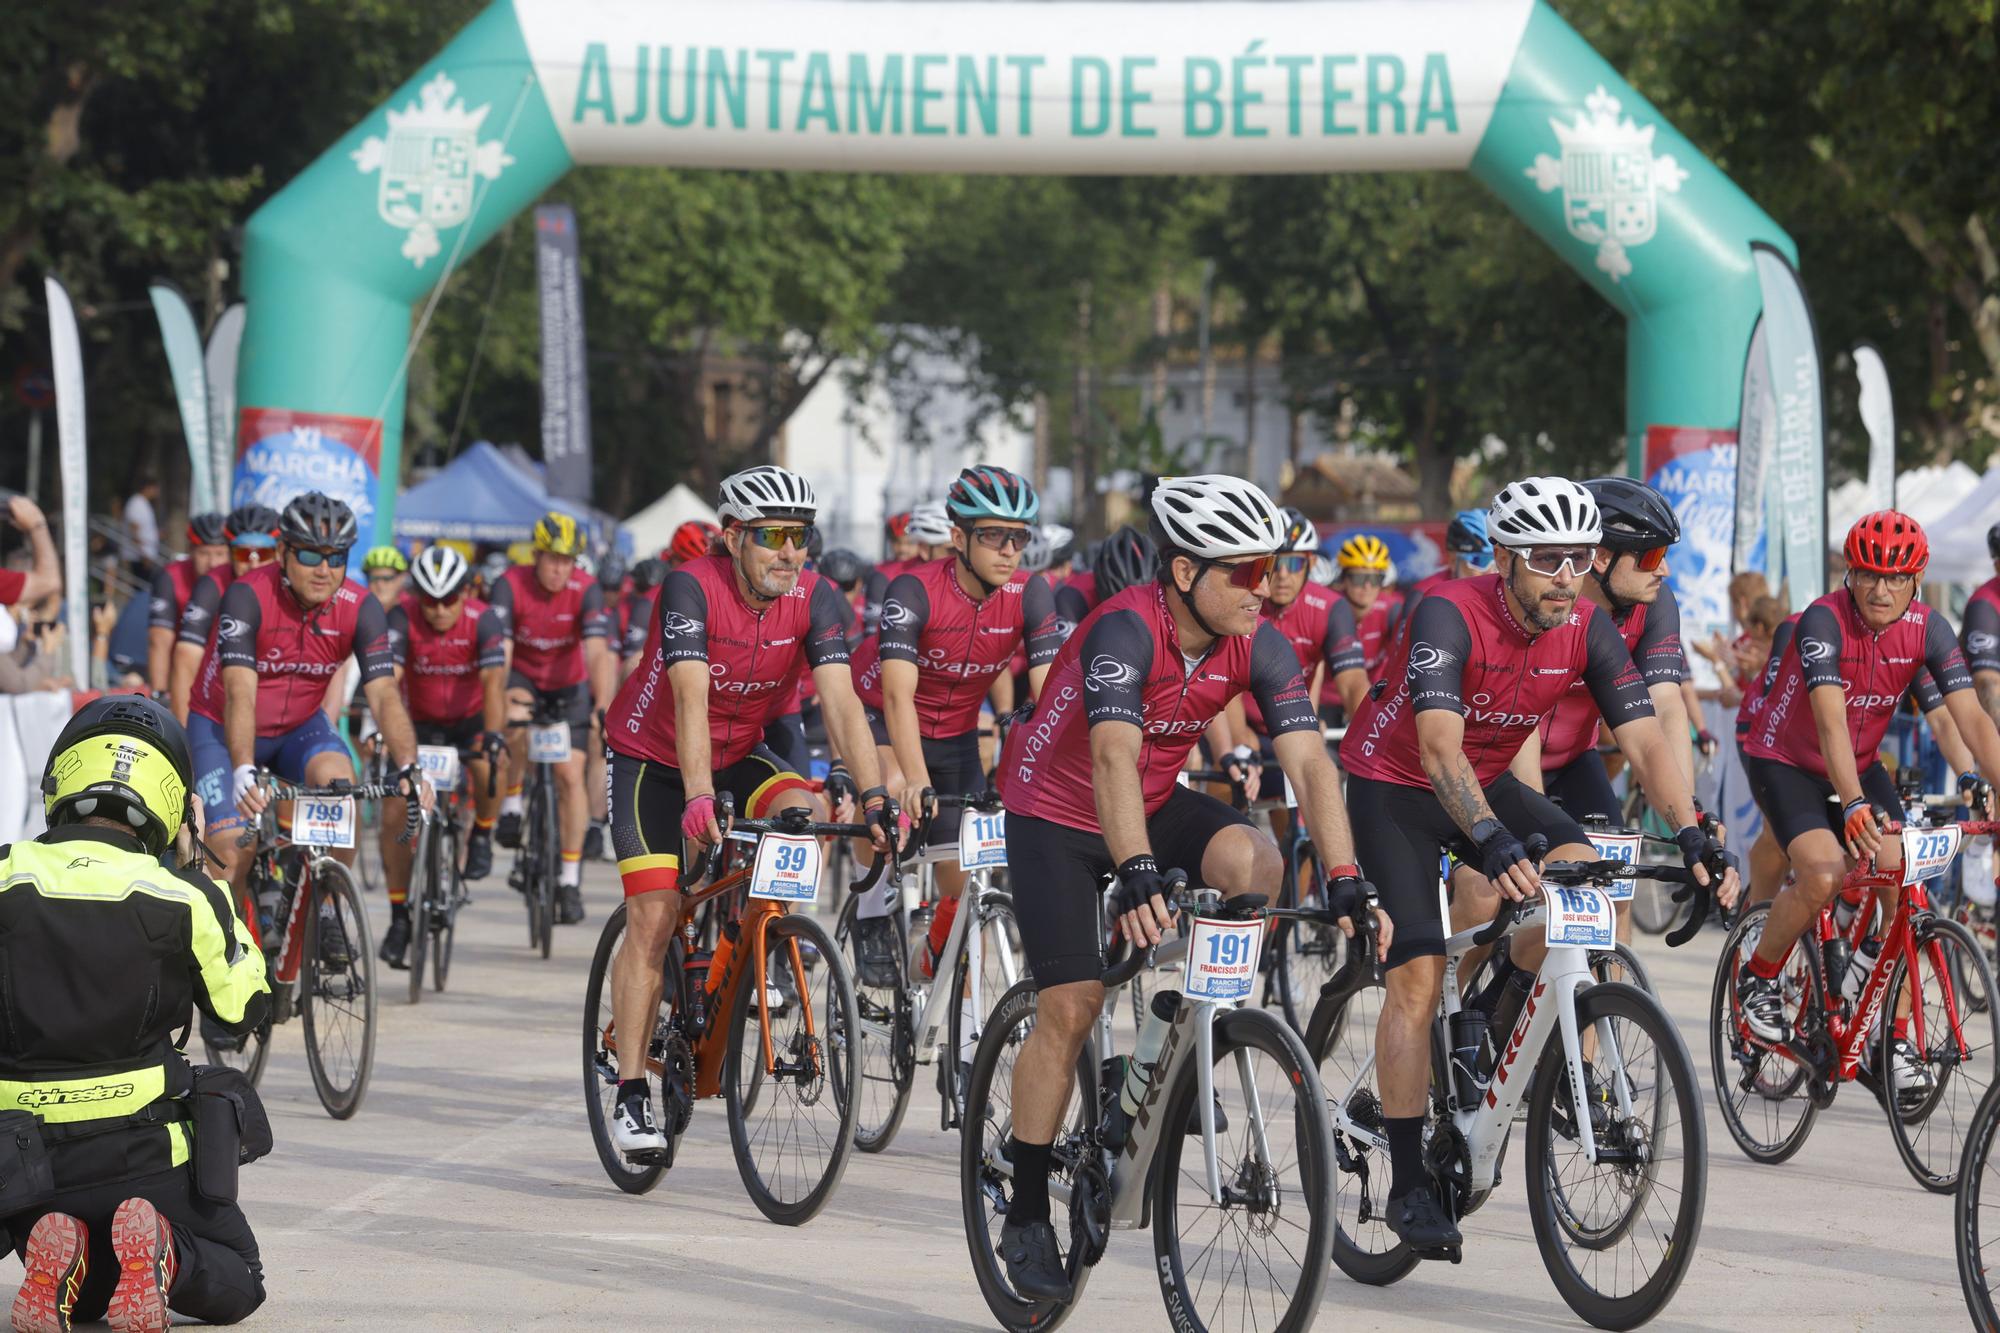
208, 548
561, 668
691, 541
647, 576
1853, 655
252, 532
730, 635
1979, 637
1484, 661
926, 535
1468, 554
1089, 782
450, 654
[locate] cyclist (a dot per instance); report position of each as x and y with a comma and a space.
647, 576
927, 534
555, 615
387, 571
252, 533
691, 541
730, 635
285, 629
208, 547
1980, 637
1484, 660
450, 654
1365, 573
845, 570
902, 547
1468, 551
1853, 655
949, 629
1089, 781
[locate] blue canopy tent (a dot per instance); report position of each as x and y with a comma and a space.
482, 496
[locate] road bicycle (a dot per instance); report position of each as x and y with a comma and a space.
538, 860
437, 887
1976, 1214
1240, 1224
1930, 977
744, 1022
915, 1022
1616, 1152
303, 909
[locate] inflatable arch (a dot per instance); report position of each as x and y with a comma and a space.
1503, 88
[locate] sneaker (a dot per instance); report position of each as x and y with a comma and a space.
569, 904
58, 1256
1034, 1264
144, 1246
1763, 1004
396, 943
875, 952
1911, 1077
508, 834
593, 842
633, 1128
479, 854
336, 953
1419, 1220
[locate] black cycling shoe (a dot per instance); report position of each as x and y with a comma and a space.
875, 952
1420, 1221
508, 834
569, 905
478, 854
1034, 1264
336, 953
396, 943
593, 842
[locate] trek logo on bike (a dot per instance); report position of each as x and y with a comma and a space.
1579, 917
1617, 847
787, 869
440, 765
1928, 852
548, 745
982, 840
324, 821
1222, 959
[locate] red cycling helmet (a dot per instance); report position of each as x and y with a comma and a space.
691, 540
898, 525
1887, 542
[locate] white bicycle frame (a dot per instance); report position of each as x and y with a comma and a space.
939, 996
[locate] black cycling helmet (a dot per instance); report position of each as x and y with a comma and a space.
208, 530
314, 519
1635, 516
251, 522
815, 544
1993, 541
648, 575
125, 757
611, 574
842, 567
1127, 556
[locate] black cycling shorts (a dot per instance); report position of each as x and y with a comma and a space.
1057, 875
1583, 788
1795, 802
785, 737
1399, 833
953, 763
571, 704
462, 736
647, 800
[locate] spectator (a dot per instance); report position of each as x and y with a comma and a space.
45, 576
142, 527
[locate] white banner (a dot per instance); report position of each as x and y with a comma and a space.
1799, 457
1757, 423
1878, 417
183, 346
224, 342
1012, 85
67, 351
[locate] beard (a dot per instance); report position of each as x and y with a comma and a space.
1532, 604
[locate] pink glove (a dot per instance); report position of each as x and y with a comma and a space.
698, 820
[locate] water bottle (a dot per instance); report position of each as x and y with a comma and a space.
1139, 1069
1858, 970
1506, 1010
1845, 907
1468, 1042
1838, 956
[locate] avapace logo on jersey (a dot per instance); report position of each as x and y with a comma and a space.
1108, 673
1161, 726
1815, 650
1982, 642
1428, 657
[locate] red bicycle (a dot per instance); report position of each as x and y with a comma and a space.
1930, 985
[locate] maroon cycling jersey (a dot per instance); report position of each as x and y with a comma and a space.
1124, 664
549, 628
1376, 631
1318, 624
1652, 634
1760, 681
958, 645
1465, 651
441, 671
1979, 639
172, 587
754, 660
1423, 588
875, 590
294, 652
204, 604
1834, 646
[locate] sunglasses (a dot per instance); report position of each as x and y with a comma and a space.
1364, 580
1551, 561
251, 556
1648, 560
312, 557
1001, 539
1291, 563
1476, 559
773, 538
384, 576
1247, 574
452, 600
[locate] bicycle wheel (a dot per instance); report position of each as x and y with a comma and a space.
1341, 1041
1619, 963
1309, 953
791, 1118
423, 888
664, 1048
444, 909
1765, 1094
1959, 1049
986, 1177
337, 990
999, 968
247, 1053
1275, 1231
548, 857
885, 1058
1976, 1214
1617, 1235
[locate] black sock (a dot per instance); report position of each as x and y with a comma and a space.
633, 1087
1406, 1153
399, 911
1031, 1182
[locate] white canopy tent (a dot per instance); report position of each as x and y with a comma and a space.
653, 527
1958, 536
1926, 494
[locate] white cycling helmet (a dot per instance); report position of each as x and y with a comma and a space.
1323, 571
439, 572
765, 492
929, 524
1544, 511
1035, 555
1216, 516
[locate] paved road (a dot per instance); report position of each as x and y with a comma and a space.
466, 1194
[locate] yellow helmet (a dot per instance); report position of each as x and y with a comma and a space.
121, 756
1365, 551
557, 532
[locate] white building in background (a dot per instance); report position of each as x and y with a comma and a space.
867, 457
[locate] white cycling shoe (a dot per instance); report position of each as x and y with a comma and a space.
633, 1128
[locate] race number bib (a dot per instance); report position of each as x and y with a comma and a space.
982, 840
1222, 959
787, 869
548, 745
1579, 916
1928, 852
324, 821
1617, 847
440, 765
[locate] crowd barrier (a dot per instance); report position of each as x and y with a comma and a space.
28, 727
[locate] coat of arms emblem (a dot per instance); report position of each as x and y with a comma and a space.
429, 164
1609, 178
